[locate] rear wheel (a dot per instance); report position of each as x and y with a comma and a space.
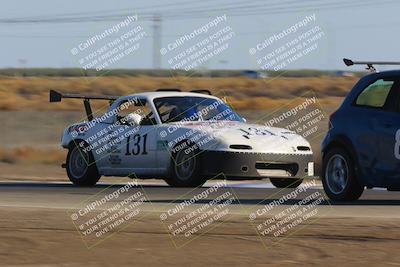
185, 167
339, 177
286, 182
81, 168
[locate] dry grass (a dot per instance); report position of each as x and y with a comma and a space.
32, 155
18, 93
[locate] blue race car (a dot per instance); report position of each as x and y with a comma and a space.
362, 146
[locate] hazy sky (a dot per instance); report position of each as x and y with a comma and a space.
366, 30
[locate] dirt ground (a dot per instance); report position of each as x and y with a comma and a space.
45, 237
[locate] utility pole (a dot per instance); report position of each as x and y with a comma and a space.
157, 41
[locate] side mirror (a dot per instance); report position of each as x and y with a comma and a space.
132, 119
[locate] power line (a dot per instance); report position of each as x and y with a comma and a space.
188, 10
231, 9
95, 14
278, 10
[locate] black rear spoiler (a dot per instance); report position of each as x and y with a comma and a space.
370, 64
55, 96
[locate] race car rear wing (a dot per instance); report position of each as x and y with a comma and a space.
370, 64
57, 96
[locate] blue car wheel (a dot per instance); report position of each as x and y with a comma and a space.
339, 177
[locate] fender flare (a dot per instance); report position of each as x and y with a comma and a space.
77, 142
190, 143
345, 143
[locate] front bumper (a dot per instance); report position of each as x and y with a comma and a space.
244, 165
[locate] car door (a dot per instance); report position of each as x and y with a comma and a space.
132, 147
381, 100
365, 127
138, 151
387, 128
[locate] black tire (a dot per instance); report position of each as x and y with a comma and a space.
286, 182
339, 176
81, 167
185, 159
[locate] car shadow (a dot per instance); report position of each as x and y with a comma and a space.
360, 202
241, 200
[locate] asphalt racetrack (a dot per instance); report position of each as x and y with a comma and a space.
220, 224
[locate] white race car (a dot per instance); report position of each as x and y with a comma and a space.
184, 138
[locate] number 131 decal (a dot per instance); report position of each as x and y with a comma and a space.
138, 147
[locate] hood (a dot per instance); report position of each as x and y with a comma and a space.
245, 137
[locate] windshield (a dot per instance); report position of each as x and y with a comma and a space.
189, 108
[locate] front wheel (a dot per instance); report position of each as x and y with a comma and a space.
185, 167
286, 182
81, 167
339, 177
